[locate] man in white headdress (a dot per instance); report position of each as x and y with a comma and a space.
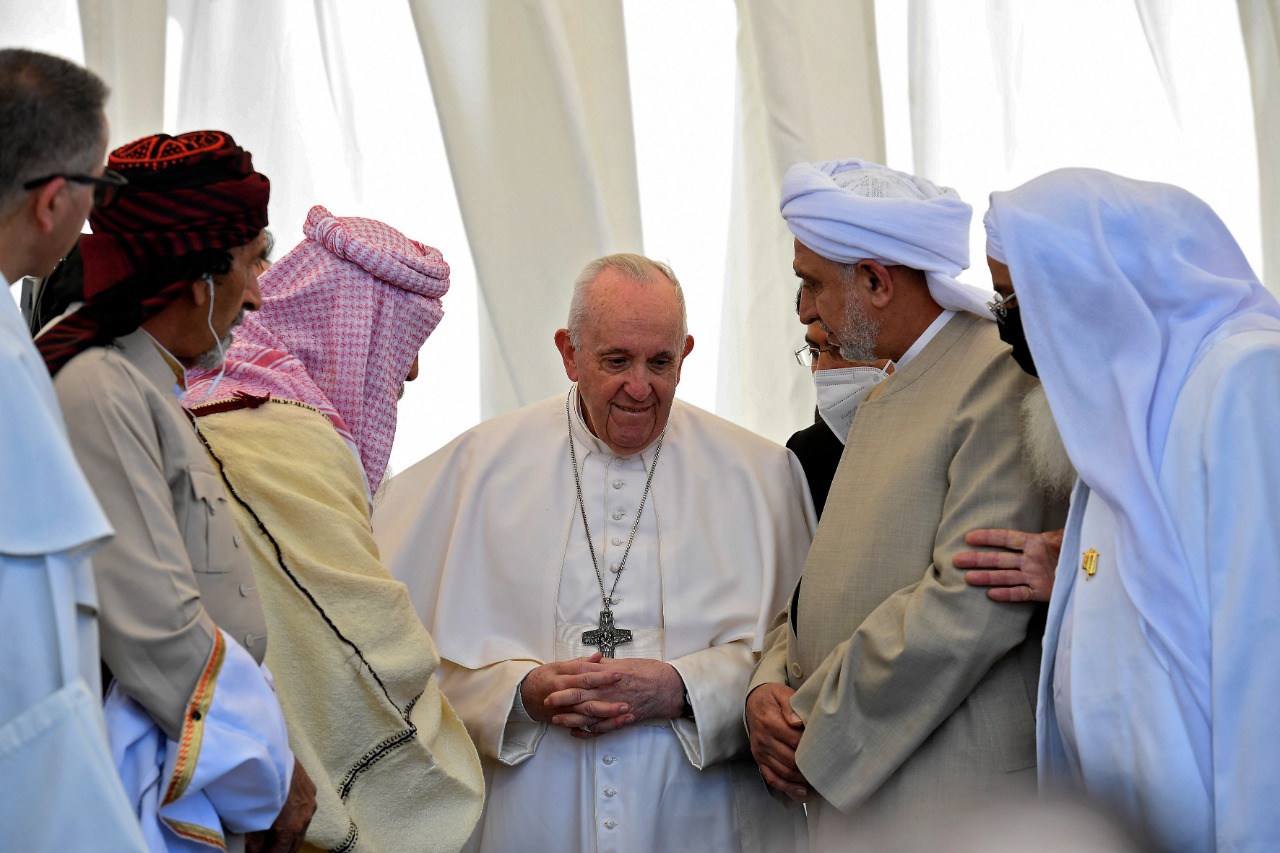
890, 689
1160, 356
613, 519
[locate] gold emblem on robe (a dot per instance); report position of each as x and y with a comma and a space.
1089, 562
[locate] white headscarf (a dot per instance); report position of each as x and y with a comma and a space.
1122, 285
851, 210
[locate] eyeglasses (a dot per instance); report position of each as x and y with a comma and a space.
1000, 306
104, 185
807, 356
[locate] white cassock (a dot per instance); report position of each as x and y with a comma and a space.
58, 788
1196, 782
488, 537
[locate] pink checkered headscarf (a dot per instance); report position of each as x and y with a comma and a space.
343, 315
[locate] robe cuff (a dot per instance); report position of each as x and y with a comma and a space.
230, 768
716, 680
522, 734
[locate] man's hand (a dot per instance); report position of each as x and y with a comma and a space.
1024, 571
775, 732
574, 678
290, 828
642, 689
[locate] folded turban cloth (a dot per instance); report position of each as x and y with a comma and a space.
995, 245
197, 192
343, 315
851, 210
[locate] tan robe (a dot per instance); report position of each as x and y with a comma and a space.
355, 669
917, 691
175, 568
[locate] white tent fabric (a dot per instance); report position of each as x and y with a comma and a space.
533, 102
818, 102
1260, 23
541, 147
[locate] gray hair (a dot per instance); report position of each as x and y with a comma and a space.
50, 119
635, 268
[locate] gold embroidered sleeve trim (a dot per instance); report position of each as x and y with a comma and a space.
193, 723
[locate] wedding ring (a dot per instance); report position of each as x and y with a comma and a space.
1031, 593
586, 728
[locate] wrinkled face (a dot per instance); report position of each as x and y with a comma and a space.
829, 297
237, 291
828, 358
629, 361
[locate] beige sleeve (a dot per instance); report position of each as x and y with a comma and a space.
155, 635
914, 659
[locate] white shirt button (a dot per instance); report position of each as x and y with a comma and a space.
618, 484
610, 792
609, 759
610, 823
617, 514
613, 567
617, 541
245, 589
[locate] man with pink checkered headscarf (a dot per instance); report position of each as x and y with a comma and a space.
301, 423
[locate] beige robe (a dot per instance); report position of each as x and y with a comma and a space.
354, 667
917, 691
176, 567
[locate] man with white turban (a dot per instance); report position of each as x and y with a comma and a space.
301, 426
890, 689
1160, 356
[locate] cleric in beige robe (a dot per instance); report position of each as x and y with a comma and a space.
913, 693
301, 424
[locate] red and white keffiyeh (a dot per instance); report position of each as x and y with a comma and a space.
343, 315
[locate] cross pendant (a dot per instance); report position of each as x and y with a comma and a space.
606, 638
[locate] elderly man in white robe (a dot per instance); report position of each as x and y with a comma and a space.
1159, 352
599, 570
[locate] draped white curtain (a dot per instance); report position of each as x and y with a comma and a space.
535, 105
511, 131
808, 89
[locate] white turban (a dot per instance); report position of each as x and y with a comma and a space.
851, 210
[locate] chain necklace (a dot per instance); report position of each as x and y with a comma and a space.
607, 637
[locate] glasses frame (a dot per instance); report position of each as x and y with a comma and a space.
816, 352
104, 185
999, 307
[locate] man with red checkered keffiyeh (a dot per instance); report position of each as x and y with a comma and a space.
300, 423
196, 729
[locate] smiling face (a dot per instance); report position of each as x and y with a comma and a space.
629, 359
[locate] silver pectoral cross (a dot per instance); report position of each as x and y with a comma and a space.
606, 638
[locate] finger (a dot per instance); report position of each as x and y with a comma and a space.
600, 710
1013, 594
987, 560
790, 789
583, 735
996, 537
573, 721
612, 724
996, 578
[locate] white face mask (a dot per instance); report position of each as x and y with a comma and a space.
840, 391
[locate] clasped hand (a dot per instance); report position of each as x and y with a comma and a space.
606, 694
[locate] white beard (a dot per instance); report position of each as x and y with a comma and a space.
1051, 468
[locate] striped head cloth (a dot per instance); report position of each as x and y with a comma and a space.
343, 315
188, 196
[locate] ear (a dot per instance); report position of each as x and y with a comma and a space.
199, 292
688, 348
46, 204
877, 282
567, 354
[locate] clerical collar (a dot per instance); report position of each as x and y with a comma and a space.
925, 336
589, 442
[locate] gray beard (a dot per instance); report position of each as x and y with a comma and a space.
212, 358
1051, 468
857, 334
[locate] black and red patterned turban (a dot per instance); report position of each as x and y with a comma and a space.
187, 195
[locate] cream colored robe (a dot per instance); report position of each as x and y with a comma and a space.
354, 668
917, 691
